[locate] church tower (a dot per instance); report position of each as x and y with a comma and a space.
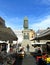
26, 36
25, 32
25, 25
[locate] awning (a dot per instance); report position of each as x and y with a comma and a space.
7, 34
37, 43
45, 35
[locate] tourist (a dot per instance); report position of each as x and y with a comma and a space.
28, 47
44, 56
48, 60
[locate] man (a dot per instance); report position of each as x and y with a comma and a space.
28, 47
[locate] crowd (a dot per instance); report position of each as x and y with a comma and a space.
42, 58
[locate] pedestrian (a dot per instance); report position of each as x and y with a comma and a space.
18, 60
38, 57
44, 56
39, 51
48, 60
28, 47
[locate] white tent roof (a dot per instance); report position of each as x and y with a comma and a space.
37, 43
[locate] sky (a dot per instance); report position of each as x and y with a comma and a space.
37, 11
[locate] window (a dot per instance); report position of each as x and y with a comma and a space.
26, 35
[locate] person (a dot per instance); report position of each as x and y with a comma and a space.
19, 57
21, 52
28, 47
48, 59
38, 57
44, 56
39, 50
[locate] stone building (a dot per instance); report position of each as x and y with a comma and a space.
27, 35
31, 34
43, 38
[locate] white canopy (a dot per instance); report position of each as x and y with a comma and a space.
37, 43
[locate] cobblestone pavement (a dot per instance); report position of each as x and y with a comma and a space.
29, 60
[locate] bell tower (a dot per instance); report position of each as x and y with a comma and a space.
25, 25
25, 33
26, 36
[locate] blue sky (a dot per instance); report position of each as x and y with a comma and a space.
37, 11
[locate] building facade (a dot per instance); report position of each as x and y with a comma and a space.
31, 34
43, 38
27, 35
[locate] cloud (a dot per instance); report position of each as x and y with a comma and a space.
3, 15
35, 23
43, 24
15, 22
